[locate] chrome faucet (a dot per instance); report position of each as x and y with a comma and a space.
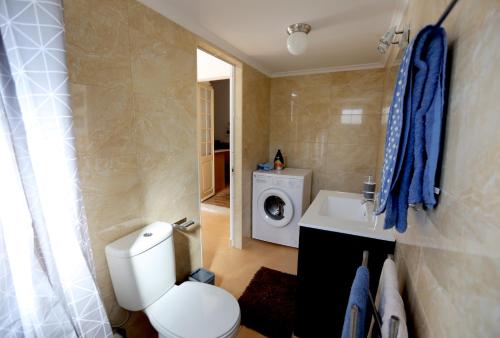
374, 199
369, 207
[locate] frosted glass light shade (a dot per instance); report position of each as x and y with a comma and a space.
297, 43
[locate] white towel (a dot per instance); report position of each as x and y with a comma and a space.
391, 303
388, 281
394, 306
389, 274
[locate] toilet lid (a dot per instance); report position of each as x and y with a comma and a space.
194, 310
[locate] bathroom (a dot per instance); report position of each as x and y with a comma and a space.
113, 146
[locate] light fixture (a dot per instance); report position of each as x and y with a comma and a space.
297, 39
388, 39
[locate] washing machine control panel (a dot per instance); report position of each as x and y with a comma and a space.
288, 183
277, 182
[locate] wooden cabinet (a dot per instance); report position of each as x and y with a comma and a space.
221, 160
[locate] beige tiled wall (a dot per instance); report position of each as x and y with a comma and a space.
449, 259
329, 123
133, 86
102, 102
255, 128
163, 66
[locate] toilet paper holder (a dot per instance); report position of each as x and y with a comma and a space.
184, 224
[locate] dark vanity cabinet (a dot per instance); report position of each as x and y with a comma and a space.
326, 268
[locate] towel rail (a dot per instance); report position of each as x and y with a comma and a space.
365, 258
393, 327
353, 320
353, 327
394, 320
376, 315
446, 12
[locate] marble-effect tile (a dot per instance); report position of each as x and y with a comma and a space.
329, 123
255, 135
133, 90
133, 84
449, 259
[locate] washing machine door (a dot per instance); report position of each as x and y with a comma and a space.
275, 207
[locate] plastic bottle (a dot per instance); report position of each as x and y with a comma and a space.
279, 162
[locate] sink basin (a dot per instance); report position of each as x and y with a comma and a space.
345, 213
344, 208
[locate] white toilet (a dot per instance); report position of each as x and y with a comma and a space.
142, 268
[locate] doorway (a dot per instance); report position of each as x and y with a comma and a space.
215, 107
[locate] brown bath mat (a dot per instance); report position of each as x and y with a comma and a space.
268, 303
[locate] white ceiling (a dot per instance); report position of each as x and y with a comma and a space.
344, 33
210, 68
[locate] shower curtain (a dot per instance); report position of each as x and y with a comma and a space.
47, 277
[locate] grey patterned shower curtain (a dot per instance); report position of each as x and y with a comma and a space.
47, 277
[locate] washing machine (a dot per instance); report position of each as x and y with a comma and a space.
280, 197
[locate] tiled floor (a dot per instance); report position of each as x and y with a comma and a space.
235, 268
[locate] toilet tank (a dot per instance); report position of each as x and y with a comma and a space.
142, 265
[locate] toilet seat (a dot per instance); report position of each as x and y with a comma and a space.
193, 310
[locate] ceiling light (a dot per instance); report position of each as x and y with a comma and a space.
297, 39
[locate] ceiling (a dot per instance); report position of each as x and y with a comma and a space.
344, 33
210, 68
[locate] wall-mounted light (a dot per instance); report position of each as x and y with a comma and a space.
297, 40
388, 39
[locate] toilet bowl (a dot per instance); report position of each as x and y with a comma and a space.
195, 310
142, 269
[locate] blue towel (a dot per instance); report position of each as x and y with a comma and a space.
397, 205
265, 166
430, 60
359, 297
398, 209
411, 178
396, 137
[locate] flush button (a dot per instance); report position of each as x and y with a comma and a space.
147, 234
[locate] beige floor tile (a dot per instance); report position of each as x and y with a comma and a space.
235, 268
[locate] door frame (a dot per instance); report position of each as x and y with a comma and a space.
236, 143
232, 182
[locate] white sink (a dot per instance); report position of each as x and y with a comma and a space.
345, 213
343, 207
